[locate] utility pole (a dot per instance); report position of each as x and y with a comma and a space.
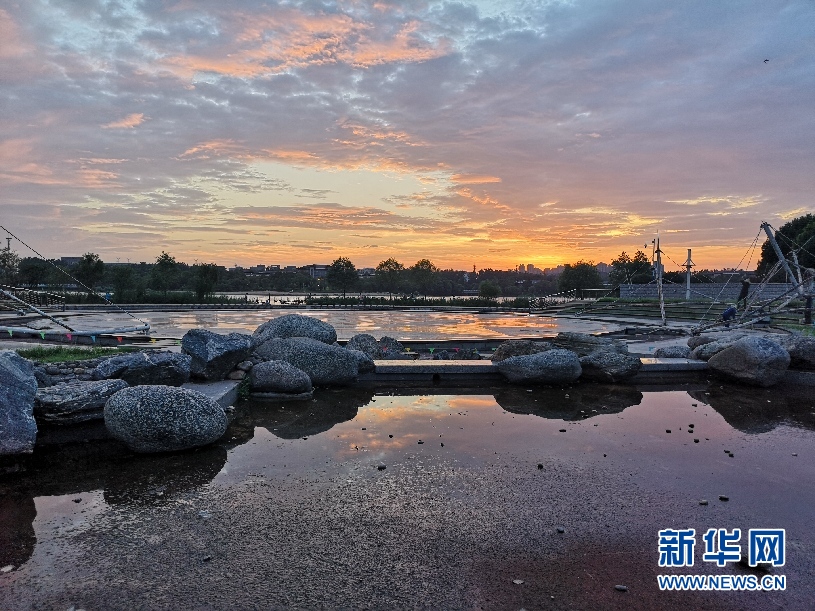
658, 254
688, 264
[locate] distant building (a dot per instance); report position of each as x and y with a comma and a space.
366, 272
258, 269
272, 268
70, 260
290, 269
522, 268
315, 271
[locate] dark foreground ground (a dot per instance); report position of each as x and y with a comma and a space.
295, 511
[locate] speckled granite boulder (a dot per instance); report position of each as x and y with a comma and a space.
365, 364
801, 350
295, 325
519, 347
391, 348
18, 387
753, 360
278, 376
584, 344
550, 367
364, 342
213, 355
610, 367
726, 337
163, 419
325, 365
672, 352
704, 352
76, 401
140, 368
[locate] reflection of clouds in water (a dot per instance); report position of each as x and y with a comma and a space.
399, 324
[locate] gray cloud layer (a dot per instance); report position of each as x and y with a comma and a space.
572, 128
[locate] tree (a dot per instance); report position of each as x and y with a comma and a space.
626, 270
799, 232
206, 277
389, 275
489, 289
9, 264
122, 281
163, 271
33, 271
89, 270
424, 274
581, 275
342, 274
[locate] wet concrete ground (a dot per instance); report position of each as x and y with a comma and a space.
294, 509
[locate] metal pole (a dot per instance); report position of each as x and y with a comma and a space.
688, 265
658, 253
781, 258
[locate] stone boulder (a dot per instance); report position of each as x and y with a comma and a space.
18, 387
609, 367
365, 364
75, 402
801, 350
295, 325
146, 368
163, 419
519, 347
584, 344
672, 352
279, 376
364, 342
754, 360
704, 352
392, 349
325, 365
213, 355
727, 337
550, 367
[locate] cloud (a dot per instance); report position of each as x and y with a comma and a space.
129, 122
541, 128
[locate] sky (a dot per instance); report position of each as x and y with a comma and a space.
473, 133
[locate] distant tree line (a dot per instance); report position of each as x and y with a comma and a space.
168, 280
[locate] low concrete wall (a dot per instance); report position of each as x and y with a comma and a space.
722, 291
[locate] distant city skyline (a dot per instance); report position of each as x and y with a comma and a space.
469, 133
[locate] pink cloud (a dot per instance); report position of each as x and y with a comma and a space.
129, 122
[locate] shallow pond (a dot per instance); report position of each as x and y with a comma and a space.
442, 498
403, 325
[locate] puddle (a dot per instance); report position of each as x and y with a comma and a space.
306, 484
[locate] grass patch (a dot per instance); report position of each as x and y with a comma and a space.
60, 354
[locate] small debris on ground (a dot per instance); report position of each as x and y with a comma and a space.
722, 497
517, 582
621, 588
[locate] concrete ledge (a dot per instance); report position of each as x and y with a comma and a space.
653, 365
223, 392
282, 396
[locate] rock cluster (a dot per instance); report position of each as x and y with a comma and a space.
588, 357
75, 402
214, 356
143, 368
386, 348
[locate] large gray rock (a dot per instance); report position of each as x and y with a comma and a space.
704, 352
213, 355
163, 419
18, 387
519, 347
295, 325
325, 365
726, 337
672, 352
801, 350
757, 361
364, 342
365, 364
611, 367
75, 402
550, 367
278, 376
584, 344
145, 368
391, 348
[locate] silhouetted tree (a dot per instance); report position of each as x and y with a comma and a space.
89, 270
206, 277
799, 232
627, 270
581, 275
424, 275
162, 273
389, 274
343, 274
